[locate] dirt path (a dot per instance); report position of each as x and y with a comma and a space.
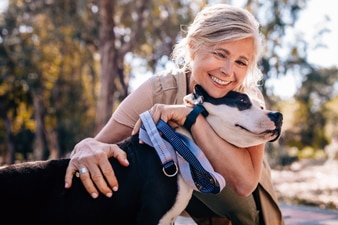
308, 182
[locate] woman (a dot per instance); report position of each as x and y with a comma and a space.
220, 52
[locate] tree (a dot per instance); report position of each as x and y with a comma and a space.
47, 56
50, 50
330, 111
143, 33
317, 89
53, 46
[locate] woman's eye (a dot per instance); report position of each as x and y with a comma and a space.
220, 55
241, 63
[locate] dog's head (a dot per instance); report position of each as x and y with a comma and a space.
237, 118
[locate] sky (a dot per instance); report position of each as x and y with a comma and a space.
3, 4
310, 21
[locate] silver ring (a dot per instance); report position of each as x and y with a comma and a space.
83, 170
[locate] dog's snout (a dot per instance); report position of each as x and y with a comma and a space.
277, 118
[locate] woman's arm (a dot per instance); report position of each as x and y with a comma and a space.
93, 153
240, 167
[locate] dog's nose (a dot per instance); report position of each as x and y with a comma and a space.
277, 118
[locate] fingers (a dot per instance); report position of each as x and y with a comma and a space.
94, 179
137, 127
75, 167
118, 154
175, 114
88, 184
173, 124
94, 169
156, 111
71, 169
103, 176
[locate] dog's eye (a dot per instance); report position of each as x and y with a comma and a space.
244, 100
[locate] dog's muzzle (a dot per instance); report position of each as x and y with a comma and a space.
277, 118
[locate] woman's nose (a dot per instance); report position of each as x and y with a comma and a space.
227, 68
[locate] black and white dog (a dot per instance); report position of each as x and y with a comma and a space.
34, 193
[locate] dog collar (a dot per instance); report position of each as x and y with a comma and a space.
194, 167
192, 116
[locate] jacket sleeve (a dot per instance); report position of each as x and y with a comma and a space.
166, 87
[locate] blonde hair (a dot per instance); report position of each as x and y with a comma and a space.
219, 23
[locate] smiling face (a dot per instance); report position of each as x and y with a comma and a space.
222, 68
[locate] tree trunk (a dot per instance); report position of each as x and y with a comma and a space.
112, 59
38, 153
10, 158
53, 144
108, 64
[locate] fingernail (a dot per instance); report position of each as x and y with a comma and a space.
94, 195
115, 188
109, 195
126, 160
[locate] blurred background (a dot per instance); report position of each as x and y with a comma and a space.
66, 65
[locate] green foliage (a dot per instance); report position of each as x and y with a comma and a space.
50, 48
316, 90
310, 119
330, 112
48, 62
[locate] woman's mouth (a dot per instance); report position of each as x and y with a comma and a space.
218, 81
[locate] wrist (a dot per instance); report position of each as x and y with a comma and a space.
192, 116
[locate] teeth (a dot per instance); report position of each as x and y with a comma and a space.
221, 82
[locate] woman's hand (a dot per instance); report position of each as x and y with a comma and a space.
174, 115
91, 157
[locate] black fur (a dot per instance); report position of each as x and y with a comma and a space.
234, 99
34, 193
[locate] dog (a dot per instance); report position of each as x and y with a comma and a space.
33, 192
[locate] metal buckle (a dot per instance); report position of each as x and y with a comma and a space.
170, 169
